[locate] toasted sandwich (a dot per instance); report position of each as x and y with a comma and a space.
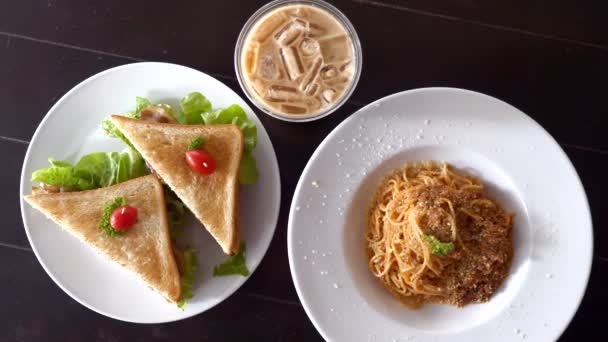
214, 198
144, 249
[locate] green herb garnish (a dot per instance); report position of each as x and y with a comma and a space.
104, 223
196, 143
438, 247
187, 278
234, 265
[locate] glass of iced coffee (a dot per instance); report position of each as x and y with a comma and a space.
298, 60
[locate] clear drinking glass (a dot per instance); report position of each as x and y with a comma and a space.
331, 10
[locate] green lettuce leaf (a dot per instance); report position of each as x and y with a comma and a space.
234, 265
104, 222
59, 163
175, 212
113, 132
235, 114
193, 105
95, 170
248, 173
61, 176
140, 103
188, 276
438, 247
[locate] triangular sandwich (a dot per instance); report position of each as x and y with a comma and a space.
214, 198
144, 249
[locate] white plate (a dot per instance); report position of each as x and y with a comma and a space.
523, 168
72, 128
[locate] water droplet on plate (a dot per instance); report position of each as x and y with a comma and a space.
336, 286
427, 122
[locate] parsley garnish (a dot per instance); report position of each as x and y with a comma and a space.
438, 247
234, 265
196, 143
104, 223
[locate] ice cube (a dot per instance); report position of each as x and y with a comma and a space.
311, 89
329, 71
291, 62
311, 73
346, 67
280, 93
267, 67
290, 32
336, 49
337, 81
293, 109
309, 47
329, 95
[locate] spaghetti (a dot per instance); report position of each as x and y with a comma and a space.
433, 236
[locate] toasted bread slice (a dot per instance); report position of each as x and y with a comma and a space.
145, 249
213, 199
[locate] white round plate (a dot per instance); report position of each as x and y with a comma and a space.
523, 168
72, 128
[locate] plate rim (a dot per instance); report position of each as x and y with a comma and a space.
23, 180
361, 111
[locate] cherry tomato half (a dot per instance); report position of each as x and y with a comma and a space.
123, 218
200, 162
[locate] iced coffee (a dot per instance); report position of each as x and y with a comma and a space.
298, 60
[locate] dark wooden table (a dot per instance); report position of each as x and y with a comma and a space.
548, 58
